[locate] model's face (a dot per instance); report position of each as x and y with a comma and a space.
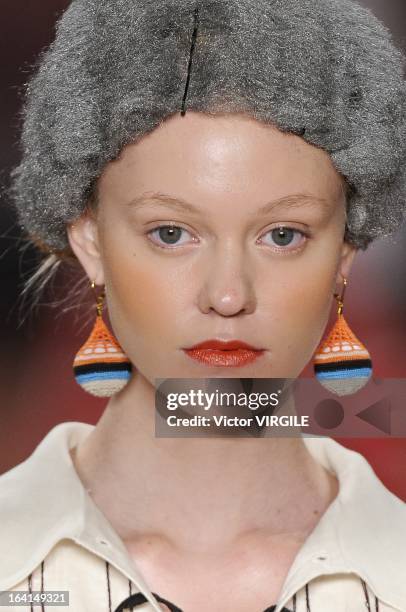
224, 270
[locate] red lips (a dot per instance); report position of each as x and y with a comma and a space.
233, 353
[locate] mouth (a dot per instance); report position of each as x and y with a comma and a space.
232, 354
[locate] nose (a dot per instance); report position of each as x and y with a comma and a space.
227, 287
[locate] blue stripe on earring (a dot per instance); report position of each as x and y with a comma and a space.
103, 376
344, 374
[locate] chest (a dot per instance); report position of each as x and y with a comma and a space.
247, 580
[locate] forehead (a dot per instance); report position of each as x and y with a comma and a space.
200, 156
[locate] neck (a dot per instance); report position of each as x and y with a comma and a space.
200, 493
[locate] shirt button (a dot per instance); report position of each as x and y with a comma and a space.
101, 541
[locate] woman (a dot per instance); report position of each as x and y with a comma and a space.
214, 169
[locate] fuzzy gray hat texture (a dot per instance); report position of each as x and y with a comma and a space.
327, 70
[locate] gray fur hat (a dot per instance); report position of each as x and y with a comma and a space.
327, 70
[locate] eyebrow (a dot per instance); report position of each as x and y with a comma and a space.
296, 200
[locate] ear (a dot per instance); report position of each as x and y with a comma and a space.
347, 257
84, 241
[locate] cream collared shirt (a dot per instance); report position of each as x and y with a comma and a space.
53, 537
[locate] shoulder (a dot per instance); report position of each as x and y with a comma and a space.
40, 503
364, 528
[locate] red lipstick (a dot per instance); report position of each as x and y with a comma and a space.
233, 353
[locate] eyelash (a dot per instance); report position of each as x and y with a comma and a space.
279, 249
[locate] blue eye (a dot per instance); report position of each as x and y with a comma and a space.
283, 237
168, 234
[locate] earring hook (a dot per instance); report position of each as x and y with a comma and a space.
340, 298
99, 298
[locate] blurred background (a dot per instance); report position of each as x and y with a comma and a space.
37, 388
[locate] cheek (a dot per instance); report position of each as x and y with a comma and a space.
302, 305
145, 298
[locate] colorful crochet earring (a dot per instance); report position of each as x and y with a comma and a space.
100, 366
342, 364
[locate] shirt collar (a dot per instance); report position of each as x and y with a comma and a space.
362, 531
45, 501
